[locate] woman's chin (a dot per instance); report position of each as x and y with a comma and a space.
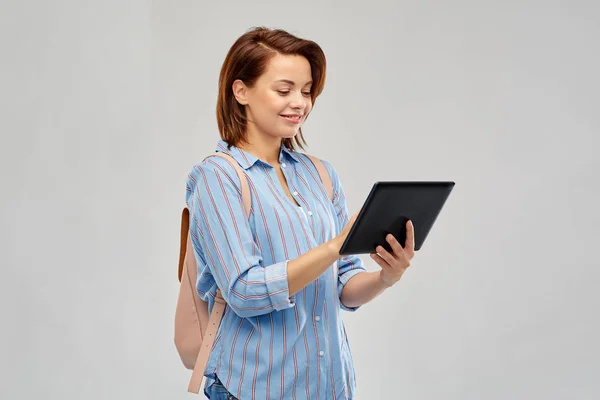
288, 134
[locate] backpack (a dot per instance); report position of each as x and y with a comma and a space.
195, 329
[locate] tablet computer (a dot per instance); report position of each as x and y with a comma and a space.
387, 209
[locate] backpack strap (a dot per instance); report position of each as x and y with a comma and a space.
185, 216
219, 305
325, 178
214, 320
243, 181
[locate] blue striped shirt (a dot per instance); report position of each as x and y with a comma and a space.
271, 345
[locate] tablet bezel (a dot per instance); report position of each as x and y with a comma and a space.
448, 185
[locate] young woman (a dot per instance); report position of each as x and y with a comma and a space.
282, 335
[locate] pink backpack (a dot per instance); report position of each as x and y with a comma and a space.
195, 329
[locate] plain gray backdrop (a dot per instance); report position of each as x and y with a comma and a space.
106, 105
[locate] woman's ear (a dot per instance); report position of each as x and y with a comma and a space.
240, 91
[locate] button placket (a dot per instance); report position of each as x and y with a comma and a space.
289, 183
295, 193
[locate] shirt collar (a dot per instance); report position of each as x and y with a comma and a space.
246, 160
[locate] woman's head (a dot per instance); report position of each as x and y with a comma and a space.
269, 79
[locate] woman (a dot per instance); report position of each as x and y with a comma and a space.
282, 335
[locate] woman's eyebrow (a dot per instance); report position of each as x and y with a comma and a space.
291, 82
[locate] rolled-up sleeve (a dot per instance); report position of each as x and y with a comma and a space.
221, 231
351, 265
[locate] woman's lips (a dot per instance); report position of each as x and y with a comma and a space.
293, 118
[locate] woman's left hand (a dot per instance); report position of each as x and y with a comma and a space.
395, 263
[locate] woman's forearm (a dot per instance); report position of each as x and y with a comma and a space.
362, 288
309, 266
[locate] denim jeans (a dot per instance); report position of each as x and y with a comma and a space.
218, 392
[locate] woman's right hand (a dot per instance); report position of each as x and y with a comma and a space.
339, 240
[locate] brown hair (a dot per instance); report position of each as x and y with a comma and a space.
247, 60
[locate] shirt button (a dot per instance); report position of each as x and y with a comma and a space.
321, 353
295, 193
282, 165
317, 318
310, 213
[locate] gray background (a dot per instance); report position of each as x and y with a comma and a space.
106, 105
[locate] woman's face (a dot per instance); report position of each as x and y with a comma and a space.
280, 100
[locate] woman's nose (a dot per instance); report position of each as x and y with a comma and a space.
298, 101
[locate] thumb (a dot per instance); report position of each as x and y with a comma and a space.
353, 219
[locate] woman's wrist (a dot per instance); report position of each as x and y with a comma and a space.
387, 281
310, 265
334, 246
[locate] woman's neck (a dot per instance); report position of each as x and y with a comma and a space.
266, 148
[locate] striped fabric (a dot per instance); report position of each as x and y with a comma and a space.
271, 345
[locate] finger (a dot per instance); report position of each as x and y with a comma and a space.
396, 247
383, 253
352, 219
380, 261
409, 243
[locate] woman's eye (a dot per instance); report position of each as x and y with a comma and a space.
286, 92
